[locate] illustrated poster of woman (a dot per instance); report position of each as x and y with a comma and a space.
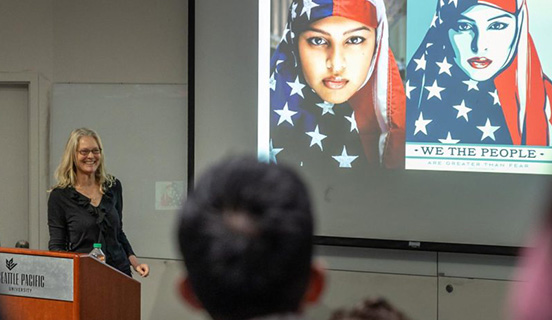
336, 97
476, 82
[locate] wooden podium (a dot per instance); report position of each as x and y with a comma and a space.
63, 285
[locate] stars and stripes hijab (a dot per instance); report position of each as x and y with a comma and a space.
445, 105
369, 128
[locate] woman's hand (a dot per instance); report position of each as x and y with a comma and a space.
141, 268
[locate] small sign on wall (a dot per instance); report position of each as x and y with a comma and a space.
169, 195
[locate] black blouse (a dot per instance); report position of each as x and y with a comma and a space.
75, 224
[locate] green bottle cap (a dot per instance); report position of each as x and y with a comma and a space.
98, 245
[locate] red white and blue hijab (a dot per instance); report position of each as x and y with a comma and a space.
366, 130
445, 105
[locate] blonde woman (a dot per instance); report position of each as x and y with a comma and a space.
85, 206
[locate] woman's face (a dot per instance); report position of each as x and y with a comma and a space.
88, 155
482, 40
336, 54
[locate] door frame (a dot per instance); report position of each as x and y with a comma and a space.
38, 111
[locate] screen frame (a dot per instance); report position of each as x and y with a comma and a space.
263, 153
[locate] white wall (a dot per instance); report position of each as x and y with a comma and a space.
126, 41
144, 41
26, 30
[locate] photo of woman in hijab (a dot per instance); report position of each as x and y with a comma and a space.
476, 78
336, 97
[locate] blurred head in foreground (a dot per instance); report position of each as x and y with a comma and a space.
22, 244
245, 234
531, 298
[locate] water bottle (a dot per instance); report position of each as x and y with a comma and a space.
97, 252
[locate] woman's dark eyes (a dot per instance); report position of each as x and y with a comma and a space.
317, 41
498, 26
464, 26
355, 40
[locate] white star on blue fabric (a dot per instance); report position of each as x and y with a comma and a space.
449, 140
307, 6
353, 122
285, 114
488, 130
494, 94
272, 82
276, 66
455, 3
472, 85
293, 11
434, 91
273, 152
327, 107
408, 89
420, 63
317, 138
344, 159
462, 110
284, 34
444, 67
296, 87
421, 124
433, 22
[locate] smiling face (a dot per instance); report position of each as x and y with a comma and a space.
89, 163
482, 40
336, 54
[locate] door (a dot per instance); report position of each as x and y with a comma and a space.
14, 172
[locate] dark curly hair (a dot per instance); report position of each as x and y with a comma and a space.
370, 309
245, 234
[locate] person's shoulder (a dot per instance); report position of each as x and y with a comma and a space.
58, 192
114, 184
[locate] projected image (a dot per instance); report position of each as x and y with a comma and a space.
477, 96
337, 101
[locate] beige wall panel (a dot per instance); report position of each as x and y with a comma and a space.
472, 299
478, 266
26, 33
160, 299
128, 41
416, 296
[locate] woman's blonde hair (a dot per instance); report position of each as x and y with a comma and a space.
66, 172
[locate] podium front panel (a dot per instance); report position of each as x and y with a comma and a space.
36, 276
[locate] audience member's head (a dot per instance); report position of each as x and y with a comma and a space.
532, 297
22, 244
245, 234
369, 309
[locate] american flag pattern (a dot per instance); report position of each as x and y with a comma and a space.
445, 106
307, 131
